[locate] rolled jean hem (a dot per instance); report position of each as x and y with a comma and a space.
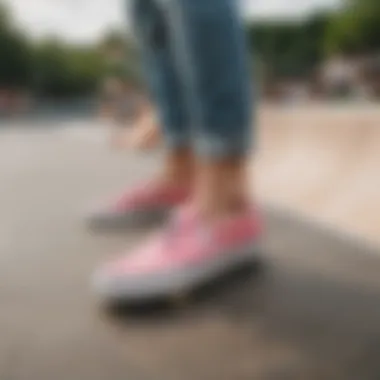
177, 142
216, 149
210, 148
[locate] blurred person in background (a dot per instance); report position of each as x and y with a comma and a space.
129, 113
145, 132
197, 65
121, 106
338, 75
121, 98
108, 96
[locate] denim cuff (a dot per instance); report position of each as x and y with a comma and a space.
174, 140
209, 147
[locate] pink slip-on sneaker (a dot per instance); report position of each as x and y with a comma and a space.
139, 205
187, 254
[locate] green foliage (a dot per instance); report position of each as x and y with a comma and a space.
50, 67
15, 65
61, 70
113, 40
284, 49
294, 49
356, 29
289, 49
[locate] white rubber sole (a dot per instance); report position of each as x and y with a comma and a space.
139, 288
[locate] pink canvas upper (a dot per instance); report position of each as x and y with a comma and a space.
188, 240
149, 195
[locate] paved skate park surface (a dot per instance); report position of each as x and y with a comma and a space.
311, 311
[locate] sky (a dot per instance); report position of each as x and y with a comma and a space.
86, 20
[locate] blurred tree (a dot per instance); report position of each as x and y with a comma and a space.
289, 49
15, 52
62, 70
4, 17
356, 29
113, 40
49, 67
121, 56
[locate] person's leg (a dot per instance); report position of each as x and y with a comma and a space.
145, 134
211, 47
152, 32
199, 73
219, 229
172, 185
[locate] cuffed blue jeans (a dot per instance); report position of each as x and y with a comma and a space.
197, 67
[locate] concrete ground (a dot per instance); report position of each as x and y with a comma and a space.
311, 312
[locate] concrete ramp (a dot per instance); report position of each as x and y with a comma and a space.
311, 311
323, 163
